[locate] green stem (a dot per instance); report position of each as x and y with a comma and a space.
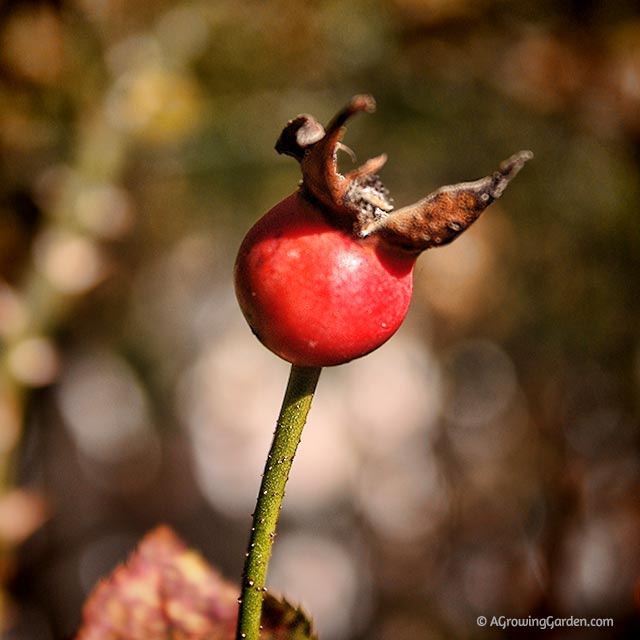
293, 415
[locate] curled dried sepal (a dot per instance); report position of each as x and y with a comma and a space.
444, 214
351, 200
299, 134
358, 201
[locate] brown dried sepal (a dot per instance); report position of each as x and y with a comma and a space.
443, 215
359, 202
350, 200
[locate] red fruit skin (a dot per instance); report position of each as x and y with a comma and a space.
315, 295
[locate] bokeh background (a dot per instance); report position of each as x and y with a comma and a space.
483, 462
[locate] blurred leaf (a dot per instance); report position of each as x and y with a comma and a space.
283, 621
166, 590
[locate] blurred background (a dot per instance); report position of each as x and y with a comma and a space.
483, 462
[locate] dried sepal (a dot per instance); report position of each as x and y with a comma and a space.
299, 134
444, 214
359, 202
349, 200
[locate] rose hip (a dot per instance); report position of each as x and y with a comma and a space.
326, 275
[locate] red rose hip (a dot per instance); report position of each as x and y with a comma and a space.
314, 295
326, 275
